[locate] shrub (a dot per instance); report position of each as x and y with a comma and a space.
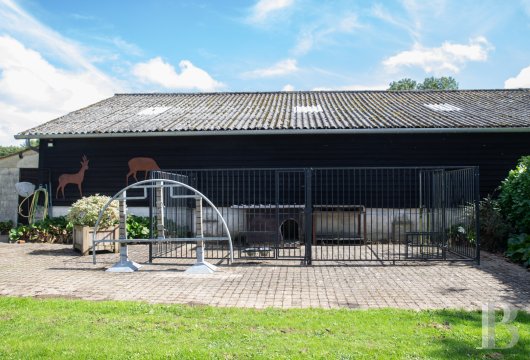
138, 227
460, 233
49, 230
514, 198
5, 226
85, 211
494, 229
519, 249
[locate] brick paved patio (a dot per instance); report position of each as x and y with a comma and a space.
43, 270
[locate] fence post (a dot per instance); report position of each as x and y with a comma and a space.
308, 212
443, 204
477, 213
151, 220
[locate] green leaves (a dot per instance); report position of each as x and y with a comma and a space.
403, 84
441, 83
514, 201
137, 227
514, 198
5, 227
85, 211
494, 229
49, 230
430, 83
519, 249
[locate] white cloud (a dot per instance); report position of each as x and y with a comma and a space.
264, 8
14, 119
127, 47
283, 67
380, 12
288, 87
157, 71
315, 35
32, 89
352, 88
448, 57
20, 24
522, 80
416, 14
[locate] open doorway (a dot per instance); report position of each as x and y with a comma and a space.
290, 231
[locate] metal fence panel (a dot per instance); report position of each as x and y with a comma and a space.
333, 214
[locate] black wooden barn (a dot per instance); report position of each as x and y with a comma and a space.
488, 129
485, 128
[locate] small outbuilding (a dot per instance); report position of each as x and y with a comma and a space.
12, 168
311, 175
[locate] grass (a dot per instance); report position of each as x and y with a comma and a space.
59, 328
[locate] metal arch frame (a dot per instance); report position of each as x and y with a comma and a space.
155, 183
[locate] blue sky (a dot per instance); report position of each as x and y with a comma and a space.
57, 56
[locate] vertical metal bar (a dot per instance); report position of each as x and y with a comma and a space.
443, 206
151, 222
277, 201
159, 194
477, 213
308, 221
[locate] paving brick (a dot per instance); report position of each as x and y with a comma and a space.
49, 270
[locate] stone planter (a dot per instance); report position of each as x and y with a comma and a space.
82, 237
4, 238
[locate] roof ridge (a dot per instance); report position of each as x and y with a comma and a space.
320, 91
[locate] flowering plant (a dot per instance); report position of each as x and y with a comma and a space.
85, 211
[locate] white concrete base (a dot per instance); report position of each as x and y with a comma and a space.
124, 266
203, 267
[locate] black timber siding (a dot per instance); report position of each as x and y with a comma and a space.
494, 153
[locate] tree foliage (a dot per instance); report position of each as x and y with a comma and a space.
403, 84
441, 83
430, 83
8, 150
514, 198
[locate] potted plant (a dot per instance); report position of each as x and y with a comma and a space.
5, 227
84, 213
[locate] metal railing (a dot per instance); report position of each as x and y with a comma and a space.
332, 214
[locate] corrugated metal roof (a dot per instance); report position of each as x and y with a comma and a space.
292, 111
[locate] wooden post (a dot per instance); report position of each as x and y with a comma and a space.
198, 230
201, 266
124, 265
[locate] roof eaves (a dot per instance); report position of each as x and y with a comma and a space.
291, 131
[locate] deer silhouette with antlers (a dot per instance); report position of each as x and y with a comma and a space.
76, 178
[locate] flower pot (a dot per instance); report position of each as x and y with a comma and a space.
82, 237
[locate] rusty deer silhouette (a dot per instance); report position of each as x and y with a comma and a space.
144, 164
76, 178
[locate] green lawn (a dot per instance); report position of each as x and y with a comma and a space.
58, 328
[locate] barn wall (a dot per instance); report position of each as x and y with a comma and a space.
494, 153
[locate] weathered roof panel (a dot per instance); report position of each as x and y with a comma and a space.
303, 110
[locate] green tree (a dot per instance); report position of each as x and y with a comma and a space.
403, 84
8, 150
441, 83
430, 83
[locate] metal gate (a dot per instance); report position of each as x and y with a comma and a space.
333, 214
